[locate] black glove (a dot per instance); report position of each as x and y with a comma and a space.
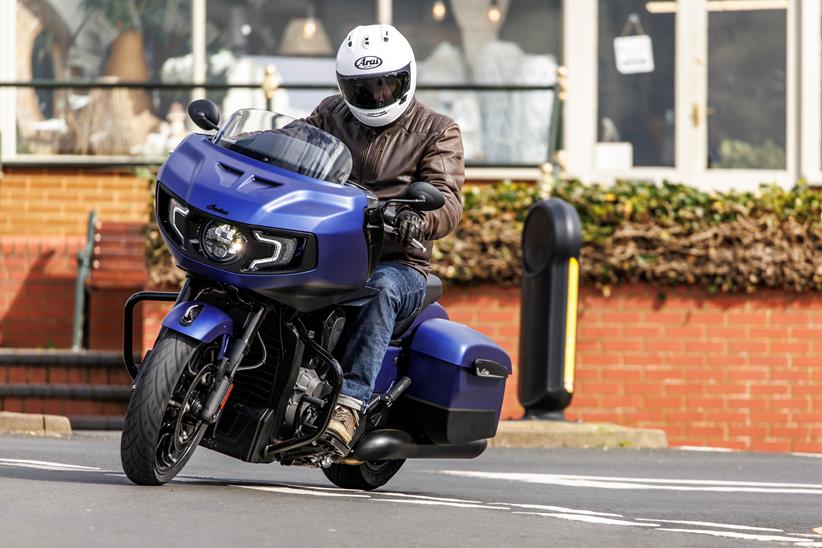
408, 226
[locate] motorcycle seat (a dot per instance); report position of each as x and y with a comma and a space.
433, 291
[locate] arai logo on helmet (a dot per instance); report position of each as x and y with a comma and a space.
368, 62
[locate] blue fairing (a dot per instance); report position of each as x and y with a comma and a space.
209, 324
209, 177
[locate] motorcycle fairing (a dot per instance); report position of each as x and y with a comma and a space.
212, 178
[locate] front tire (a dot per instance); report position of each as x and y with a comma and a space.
162, 426
366, 476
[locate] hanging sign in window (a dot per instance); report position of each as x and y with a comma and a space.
634, 54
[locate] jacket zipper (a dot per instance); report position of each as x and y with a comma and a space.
364, 158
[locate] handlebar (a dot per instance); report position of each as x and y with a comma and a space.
414, 242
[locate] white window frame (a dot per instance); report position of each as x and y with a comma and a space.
810, 21
8, 65
690, 88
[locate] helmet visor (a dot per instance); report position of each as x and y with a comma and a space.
375, 90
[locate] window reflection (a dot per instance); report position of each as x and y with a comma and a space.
466, 47
97, 40
636, 124
747, 89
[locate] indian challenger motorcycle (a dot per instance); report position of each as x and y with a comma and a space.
278, 247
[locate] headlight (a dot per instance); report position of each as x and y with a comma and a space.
176, 217
222, 242
282, 250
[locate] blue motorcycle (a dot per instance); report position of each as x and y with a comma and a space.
278, 247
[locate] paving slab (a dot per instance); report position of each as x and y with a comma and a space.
34, 424
550, 434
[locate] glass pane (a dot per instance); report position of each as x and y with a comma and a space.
636, 122
459, 42
94, 41
299, 38
747, 57
101, 121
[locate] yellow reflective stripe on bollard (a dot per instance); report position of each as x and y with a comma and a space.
571, 324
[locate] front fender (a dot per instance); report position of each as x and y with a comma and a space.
209, 323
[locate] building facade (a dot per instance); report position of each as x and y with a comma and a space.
715, 93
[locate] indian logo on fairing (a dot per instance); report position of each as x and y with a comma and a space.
368, 62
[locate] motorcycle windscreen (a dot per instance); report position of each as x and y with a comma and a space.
287, 143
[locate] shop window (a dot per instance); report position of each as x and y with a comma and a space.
484, 42
300, 38
98, 41
747, 89
636, 121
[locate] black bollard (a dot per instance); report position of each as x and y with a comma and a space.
551, 240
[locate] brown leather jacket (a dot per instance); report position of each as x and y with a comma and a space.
421, 145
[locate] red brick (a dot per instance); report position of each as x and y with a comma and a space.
808, 447
769, 389
752, 431
621, 401
12, 404
621, 345
663, 345
772, 446
704, 346
622, 374
707, 403
712, 431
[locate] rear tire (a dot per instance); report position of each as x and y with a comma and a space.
366, 476
160, 434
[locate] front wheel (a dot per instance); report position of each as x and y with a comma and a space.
162, 425
367, 476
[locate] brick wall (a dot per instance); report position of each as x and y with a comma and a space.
37, 277
64, 371
730, 371
56, 202
742, 372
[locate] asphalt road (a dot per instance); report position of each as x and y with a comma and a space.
73, 493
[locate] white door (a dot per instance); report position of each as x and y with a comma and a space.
741, 113
715, 108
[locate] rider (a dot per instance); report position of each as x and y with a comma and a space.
394, 140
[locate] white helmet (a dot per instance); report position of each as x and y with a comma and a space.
376, 73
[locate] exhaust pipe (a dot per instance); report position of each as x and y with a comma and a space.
389, 444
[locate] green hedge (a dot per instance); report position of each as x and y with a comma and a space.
669, 234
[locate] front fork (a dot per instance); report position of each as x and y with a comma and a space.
230, 363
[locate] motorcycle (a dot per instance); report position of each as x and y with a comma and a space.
278, 247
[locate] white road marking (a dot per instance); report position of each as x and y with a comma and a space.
560, 509
423, 497
812, 455
558, 512
741, 536
711, 524
440, 503
590, 519
605, 482
704, 449
296, 491
47, 465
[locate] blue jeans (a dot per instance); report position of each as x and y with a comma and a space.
401, 291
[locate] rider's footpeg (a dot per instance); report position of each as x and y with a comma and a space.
388, 399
